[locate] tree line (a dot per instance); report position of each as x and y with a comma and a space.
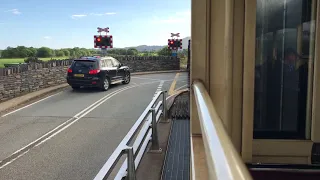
45, 52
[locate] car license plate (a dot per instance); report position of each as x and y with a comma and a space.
78, 75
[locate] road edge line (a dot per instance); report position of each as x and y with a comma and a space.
173, 84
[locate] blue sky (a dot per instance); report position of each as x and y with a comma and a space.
72, 23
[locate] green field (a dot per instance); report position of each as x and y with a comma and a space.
21, 60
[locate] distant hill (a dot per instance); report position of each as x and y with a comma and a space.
157, 47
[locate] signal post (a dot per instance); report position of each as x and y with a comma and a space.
174, 43
103, 41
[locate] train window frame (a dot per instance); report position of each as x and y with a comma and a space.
270, 50
275, 150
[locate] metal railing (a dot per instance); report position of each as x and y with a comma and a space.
146, 126
223, 161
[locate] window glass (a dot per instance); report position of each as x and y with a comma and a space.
84, 65
102, 62
109, 63
284, 42
115, 62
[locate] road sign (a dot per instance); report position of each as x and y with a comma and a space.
103, 30
175, 34
174, 53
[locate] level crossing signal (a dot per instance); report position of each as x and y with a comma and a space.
103, 41
174, 43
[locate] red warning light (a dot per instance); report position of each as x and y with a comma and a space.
98, 39
171, 42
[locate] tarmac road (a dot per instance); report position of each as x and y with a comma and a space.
71, 134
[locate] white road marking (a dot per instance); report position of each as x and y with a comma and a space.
73, 120
9, 162
156, 81
30, 104
146, 78
159, 88
81, 116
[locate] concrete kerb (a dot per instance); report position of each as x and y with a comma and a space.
27, 97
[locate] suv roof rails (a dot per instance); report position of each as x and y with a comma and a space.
88, 58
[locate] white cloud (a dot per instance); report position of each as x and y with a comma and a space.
14, 11
47, 37
110, 13
95, 14
101, 14
76, 16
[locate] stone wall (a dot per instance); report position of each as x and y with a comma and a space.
15, 85
37, 77
152, 63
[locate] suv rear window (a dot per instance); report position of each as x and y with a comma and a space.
85, 65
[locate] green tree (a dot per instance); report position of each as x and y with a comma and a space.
66, 52
60, 53
44, 52
73, 54
32, 52
9, 52
132, 52
164, 52
21, 51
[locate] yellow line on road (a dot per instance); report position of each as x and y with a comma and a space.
173, 85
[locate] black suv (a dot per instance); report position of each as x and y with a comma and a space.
97, 72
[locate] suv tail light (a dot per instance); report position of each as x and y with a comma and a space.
69, 70
94, 71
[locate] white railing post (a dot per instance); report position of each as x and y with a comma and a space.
164, 108
154, 138
131, 166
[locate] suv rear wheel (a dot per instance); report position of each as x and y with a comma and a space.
105, 84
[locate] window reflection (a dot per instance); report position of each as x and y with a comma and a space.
284, 42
